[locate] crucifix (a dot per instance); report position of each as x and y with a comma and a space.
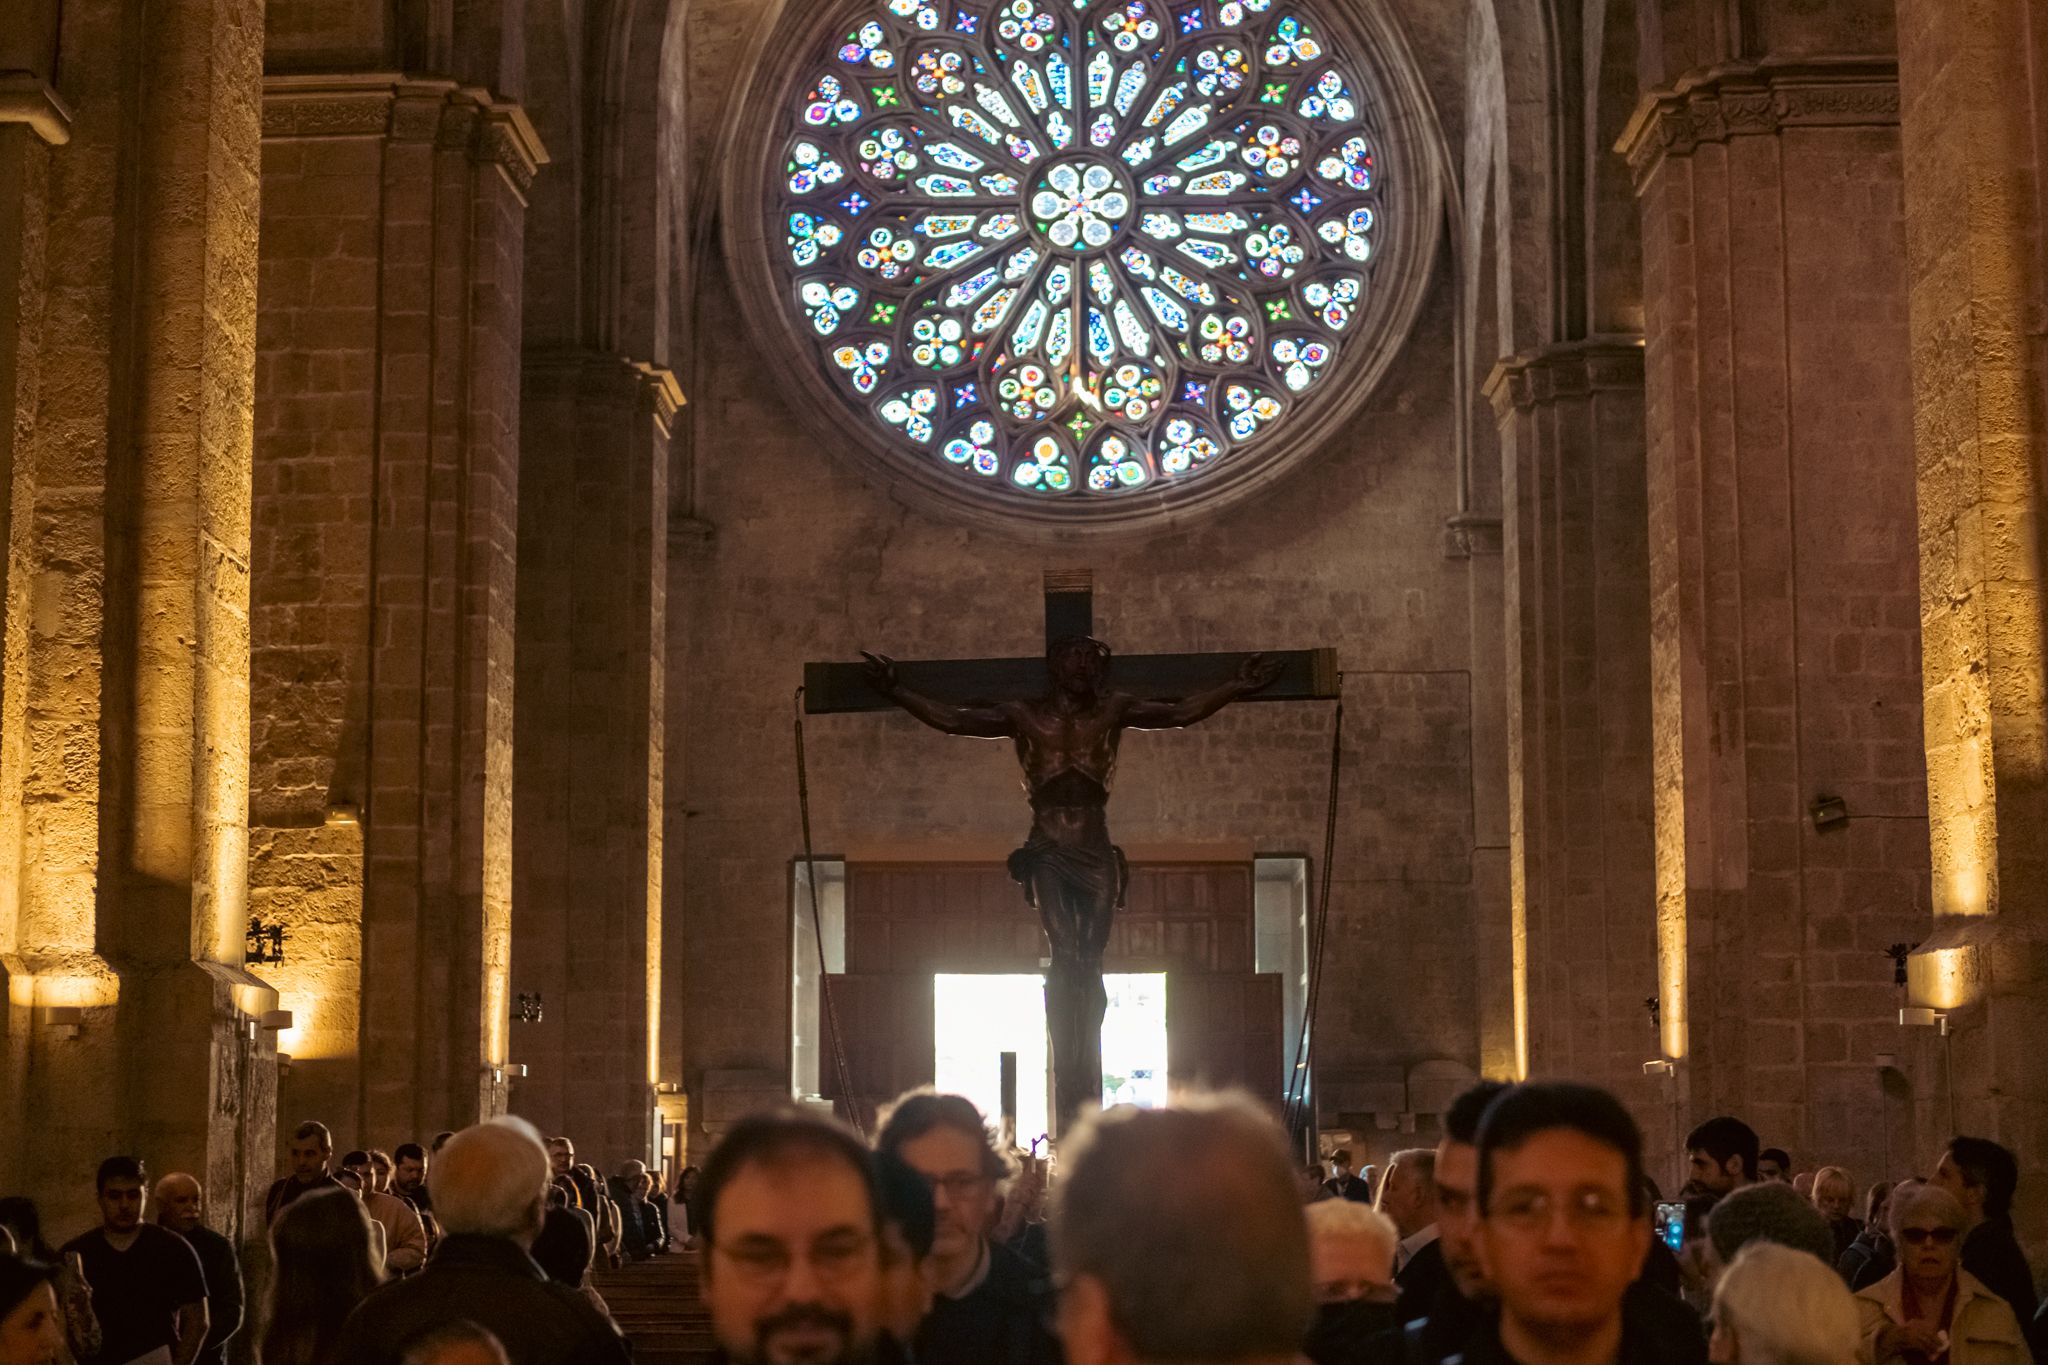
1066, 718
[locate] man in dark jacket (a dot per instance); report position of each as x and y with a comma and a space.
312, 1150
1342, 1184
181, 1207
490, 1191
1983, 1177
992, 1306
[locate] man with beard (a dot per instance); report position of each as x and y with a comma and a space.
992, 1307
792, 1261
1178, 1236
409, 1182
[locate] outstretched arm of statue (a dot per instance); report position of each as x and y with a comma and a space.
983, 721
1255, 674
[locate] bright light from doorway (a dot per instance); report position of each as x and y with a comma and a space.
978, 1018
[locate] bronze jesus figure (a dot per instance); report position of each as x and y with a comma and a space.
1067, 745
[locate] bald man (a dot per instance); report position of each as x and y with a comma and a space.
181, 1208
1212, 1265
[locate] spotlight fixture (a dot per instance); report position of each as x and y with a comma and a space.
276, 1020
1922, 1017
1661, 1066
1828, 812
528, 1010
265, 944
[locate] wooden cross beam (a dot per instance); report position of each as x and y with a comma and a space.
839, 688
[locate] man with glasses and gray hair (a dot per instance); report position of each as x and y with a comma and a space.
992, 1306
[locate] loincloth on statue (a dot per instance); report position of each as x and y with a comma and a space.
1096, 871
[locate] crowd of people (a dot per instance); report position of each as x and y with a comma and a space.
475, 1249
1531, 1234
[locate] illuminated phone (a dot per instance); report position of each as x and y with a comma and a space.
1671, 1224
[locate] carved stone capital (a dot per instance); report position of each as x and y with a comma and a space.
1759, 99
1572, 369
493, 132
586, 374
25, 99
1468, 535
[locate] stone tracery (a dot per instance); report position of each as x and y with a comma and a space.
1079, 250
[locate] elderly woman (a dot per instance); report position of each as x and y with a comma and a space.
1930, 1311
1351, 1263
1779, 1306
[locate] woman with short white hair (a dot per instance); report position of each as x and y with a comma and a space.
1351, 1265
1930, 1308
1779, 1306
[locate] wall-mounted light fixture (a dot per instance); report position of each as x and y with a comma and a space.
515, 1071
284, 1063
1921, 1017
276, 1021
1828, 812
265, 946
1661, 1066
66, 1021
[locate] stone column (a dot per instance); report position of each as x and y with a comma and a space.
124, 720
1976, 130
1576, 542
1784, 612
387, 464
593, 578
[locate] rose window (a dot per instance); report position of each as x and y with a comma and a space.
1076, 249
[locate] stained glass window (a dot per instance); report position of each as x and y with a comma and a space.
1079, 248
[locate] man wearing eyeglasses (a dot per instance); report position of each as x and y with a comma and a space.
792, 1269
992, 1307
1564, 1225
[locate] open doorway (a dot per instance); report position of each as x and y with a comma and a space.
979, 1017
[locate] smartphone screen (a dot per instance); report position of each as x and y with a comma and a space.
1671, 1224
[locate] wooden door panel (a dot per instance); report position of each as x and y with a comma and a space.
886, 1021
1224, 1030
